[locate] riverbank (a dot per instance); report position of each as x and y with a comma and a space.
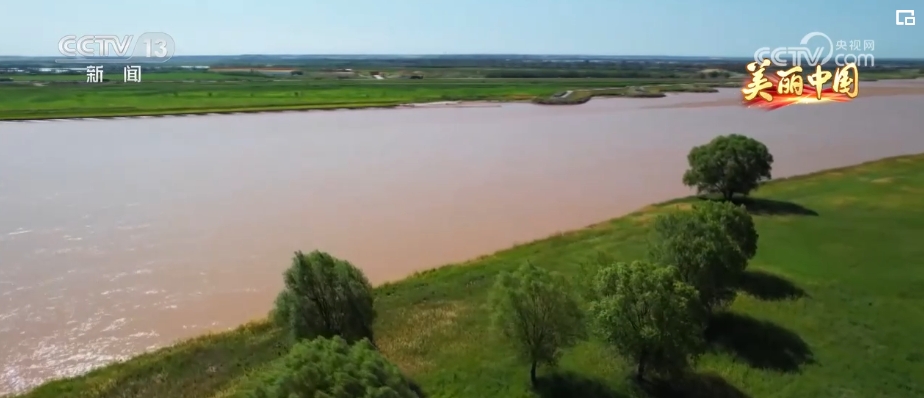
817, 310
582, 96
258, 110
79, 100
75, 100
909, 87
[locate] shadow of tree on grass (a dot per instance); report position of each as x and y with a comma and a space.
766, 207
415, 387
761, 344
766, 286
697, 385
770, 207
567, 384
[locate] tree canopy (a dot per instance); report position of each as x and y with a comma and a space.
648, 315
735, 220
728, 165
710, 246
331, 368
536, 313
325, 297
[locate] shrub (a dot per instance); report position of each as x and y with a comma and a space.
330, 368
325, 297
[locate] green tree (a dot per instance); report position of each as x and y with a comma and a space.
710, 246
325, 297
735, 220
649, 316
536, 312
728, 165
330, 368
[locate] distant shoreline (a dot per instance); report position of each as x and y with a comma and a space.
621, 92
917, 89
866, 92
123, 103
258, 110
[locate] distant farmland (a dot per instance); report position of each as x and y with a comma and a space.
265, 71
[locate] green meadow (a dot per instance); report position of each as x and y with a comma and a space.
41, 100
176, 91
831, 306
115, 75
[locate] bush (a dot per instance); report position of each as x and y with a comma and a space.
325, 297
536, 313
728, 165
710, 246
649, 316
330, 368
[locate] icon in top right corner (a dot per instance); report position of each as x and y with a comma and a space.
904, 17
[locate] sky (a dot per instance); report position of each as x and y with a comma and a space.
721, 28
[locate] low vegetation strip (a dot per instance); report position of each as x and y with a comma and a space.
56, 96
831, 305
643, 91
22, 101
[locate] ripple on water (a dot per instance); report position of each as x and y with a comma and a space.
115, 325
90, 250
87, 342
133, 227
80, 345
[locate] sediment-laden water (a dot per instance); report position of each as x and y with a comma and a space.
118, 236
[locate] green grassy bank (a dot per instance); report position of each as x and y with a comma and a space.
52, 96
580, 96
832, 306
23, 101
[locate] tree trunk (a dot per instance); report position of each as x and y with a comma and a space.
640, 367
728, 195
532, 374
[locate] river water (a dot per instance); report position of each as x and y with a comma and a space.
118, 236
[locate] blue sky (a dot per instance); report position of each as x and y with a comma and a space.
608, 27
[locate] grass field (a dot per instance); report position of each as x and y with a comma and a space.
832, 306
60, 100
580, 96
115, 75
176, 91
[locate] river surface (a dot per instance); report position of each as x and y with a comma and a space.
118, 236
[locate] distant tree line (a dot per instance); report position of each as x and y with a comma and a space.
566, 73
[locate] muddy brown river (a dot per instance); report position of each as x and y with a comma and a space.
118, 236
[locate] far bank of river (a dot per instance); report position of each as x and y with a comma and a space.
124, 235
568, 97
77, 101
